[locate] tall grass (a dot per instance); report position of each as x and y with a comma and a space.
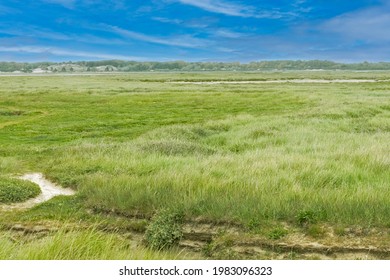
133, 143
84, 244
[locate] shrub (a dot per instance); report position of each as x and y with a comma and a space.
16, 190
278, 233
165, 230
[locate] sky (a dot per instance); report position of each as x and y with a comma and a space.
194, 30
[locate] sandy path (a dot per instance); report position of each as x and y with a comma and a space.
49, 190
296, 81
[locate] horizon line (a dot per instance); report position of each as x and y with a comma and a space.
190, 62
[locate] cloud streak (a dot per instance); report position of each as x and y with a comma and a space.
4, 10
226, 33
186, 41
65, 3
230, 9
38, 33
44, 50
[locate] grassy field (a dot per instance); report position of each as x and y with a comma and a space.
263, 156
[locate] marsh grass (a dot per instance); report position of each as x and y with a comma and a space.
244, 152
16, 190
78, 244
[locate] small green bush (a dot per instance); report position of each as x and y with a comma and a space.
254, 225
165, 230
16, 190
278, 233
306, 217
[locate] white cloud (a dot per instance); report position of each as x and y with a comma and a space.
187, 41
226, 33
168, 20
230, 9
369, 25
32, 31
199, 23
36, 33
221, 7
66, 3
218, 32
65, 52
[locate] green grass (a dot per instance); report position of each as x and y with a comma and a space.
164, 231
16, 190
239, 152
80, 244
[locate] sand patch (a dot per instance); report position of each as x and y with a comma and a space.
48, 189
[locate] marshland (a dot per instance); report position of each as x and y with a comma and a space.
202, 165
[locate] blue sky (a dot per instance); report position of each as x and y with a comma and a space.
194, 30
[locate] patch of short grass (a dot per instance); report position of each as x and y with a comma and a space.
277, 233
16, 190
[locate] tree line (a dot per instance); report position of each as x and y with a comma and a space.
135, 66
